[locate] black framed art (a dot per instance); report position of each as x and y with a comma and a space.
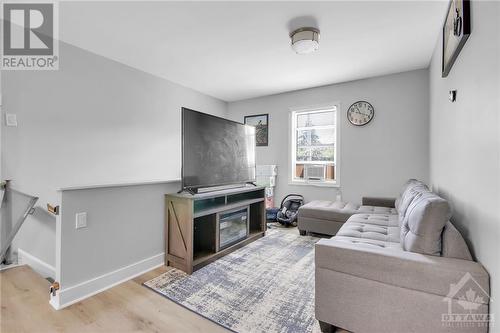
456, 30
261, 124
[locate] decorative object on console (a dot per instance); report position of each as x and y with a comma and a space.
266, 176
261, 124
360, 113
456, 31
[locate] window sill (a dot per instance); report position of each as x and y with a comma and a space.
318, 184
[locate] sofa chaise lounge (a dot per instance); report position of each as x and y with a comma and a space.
405, 270
327, 217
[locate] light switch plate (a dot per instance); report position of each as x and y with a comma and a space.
81, 220
11, 119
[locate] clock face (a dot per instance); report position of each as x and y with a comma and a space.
360, 113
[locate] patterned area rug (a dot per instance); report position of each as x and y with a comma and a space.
266, 286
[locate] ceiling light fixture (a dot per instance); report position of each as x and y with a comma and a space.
305, 40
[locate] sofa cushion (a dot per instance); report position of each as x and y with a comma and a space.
412, 193
454, 245
423, 224
388, 220
370, 231
403, 195
377, 227
367, 242
337, 210
328, 210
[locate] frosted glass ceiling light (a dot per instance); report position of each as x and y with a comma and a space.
305, 40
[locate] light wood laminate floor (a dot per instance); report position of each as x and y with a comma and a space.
128, 307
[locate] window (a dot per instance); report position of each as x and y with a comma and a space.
314, 146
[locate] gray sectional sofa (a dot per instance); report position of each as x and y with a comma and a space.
395, 267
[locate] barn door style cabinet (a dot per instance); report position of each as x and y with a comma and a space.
203, 227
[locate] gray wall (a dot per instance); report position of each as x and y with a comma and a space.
93, 121
465, 138
375, 159
125, 224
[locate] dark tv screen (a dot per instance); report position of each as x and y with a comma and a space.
216, 151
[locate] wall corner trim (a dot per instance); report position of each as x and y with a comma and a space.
73, 294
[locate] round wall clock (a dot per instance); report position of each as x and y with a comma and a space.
360, 113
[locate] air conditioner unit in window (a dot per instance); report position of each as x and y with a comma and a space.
314, 172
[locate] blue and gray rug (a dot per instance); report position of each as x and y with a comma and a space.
266, 286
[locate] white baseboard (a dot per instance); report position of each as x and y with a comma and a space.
73, 294
38, 265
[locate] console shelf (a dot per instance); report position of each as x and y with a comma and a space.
193, 224
218, 208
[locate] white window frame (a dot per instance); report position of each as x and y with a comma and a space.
292, 148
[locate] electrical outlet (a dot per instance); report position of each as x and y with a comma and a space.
81, 220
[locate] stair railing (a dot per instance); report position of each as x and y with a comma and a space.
15, 208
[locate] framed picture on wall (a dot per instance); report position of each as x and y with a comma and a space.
261, 123
456, 30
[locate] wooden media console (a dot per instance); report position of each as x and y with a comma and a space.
201, 228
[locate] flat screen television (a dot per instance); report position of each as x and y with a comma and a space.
215, 151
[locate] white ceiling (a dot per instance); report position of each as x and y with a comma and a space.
239, 50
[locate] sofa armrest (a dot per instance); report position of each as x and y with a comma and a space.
394, 266
379, 202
